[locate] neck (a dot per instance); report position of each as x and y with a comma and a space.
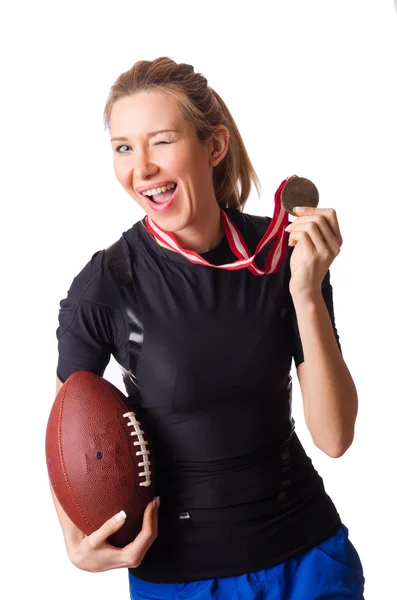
204, 235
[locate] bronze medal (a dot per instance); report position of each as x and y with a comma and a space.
299, 191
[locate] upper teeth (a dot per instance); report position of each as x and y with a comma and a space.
159, 189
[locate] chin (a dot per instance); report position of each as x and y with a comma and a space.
172, 224
172, 221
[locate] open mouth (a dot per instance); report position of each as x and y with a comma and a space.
162, 197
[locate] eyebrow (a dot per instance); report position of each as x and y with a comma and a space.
150, 134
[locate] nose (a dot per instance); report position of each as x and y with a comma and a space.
144, 167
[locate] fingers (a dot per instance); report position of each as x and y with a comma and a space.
319, 231
305, 241
324, 245
133, 554
99, 536
317, 240
323, 217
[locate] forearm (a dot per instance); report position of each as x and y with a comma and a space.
329, 394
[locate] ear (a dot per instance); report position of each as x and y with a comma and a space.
219, 145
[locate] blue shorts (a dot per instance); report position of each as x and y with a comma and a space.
330, 570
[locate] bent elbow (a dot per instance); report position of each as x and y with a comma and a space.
340, 450
337, 453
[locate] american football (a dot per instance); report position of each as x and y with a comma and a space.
99, 457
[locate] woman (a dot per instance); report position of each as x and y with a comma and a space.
206, 352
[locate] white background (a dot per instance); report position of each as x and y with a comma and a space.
312, 87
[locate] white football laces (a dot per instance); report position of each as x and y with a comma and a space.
144, 452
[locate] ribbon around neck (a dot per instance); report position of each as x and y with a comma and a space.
236, 241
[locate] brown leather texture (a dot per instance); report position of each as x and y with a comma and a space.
91, 456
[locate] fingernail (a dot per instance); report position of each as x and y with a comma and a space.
120, 516
288, 228
156, 502
300, 209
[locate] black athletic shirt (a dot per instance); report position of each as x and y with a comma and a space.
207, 355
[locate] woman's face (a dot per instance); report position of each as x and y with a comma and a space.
173, 155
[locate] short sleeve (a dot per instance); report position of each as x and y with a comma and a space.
328, 299
89, 328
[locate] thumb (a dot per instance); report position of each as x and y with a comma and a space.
304, 210
110, 526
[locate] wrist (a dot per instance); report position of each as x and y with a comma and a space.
307, 297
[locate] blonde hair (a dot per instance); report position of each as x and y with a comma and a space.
204, 108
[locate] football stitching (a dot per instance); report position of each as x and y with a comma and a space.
62, 463
144, 451
115, 391
128, 441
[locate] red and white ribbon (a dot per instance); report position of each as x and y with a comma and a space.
236, 241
